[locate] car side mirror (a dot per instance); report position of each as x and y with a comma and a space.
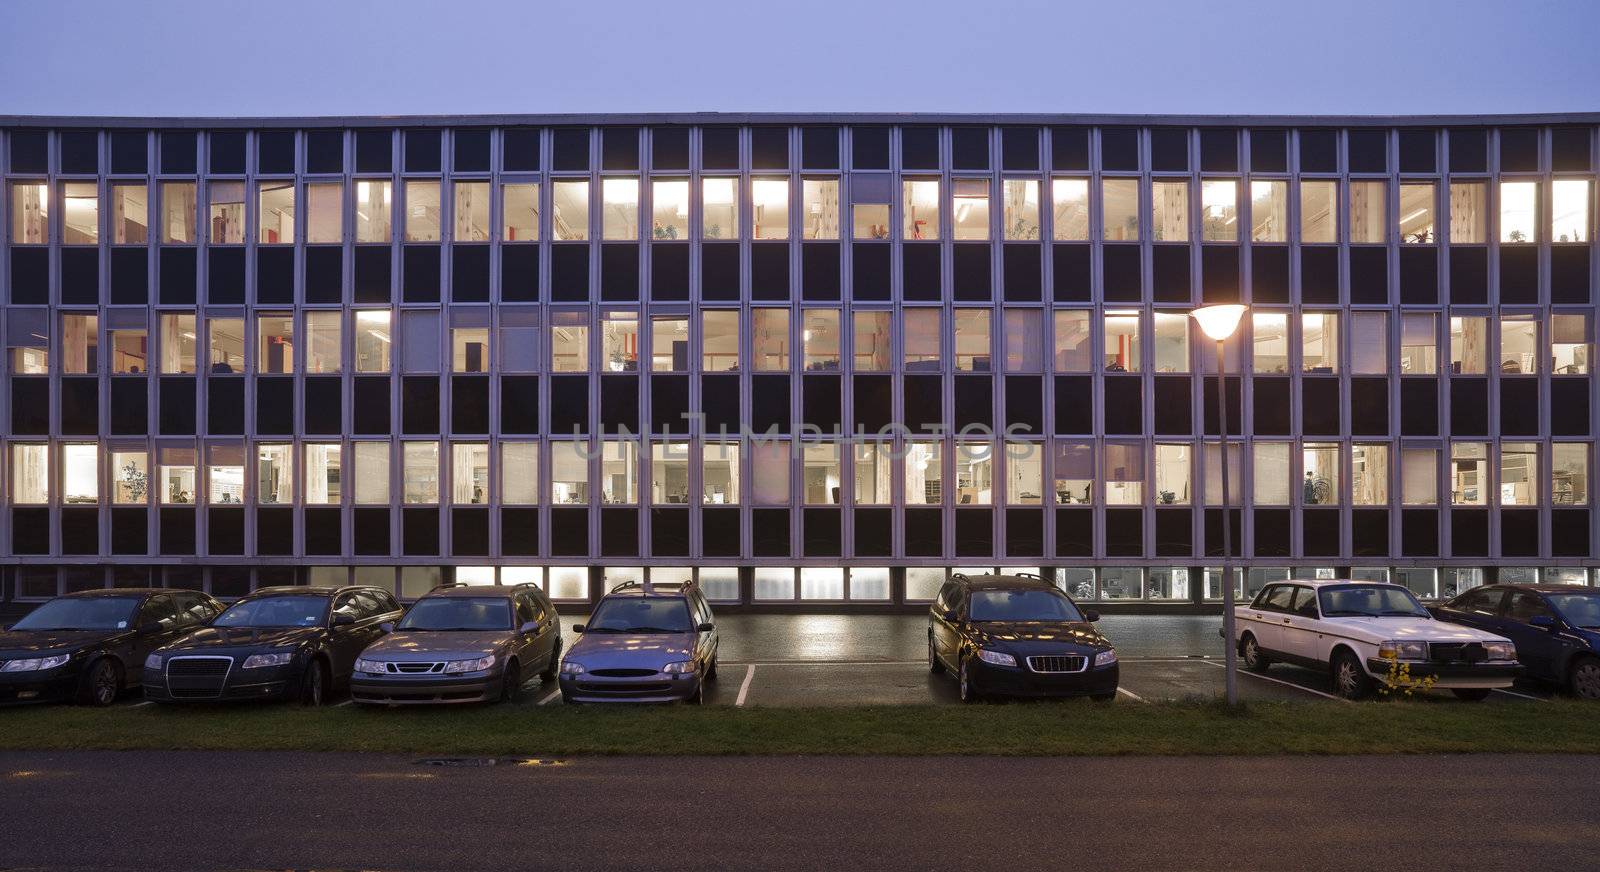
343, 620
706, 627
387, 626
1543, 622
577, 628
529, 626
1091, 615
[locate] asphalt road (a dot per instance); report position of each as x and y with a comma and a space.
201, 811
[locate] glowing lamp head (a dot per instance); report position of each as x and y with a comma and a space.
1219, 322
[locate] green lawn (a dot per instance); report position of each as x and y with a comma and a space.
1072, 728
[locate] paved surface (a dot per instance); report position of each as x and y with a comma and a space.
350, 811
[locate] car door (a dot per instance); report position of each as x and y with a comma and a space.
1265, 616
700, 611
157, 624
945, 640
1480, 608
1538, 649
1301, 630
346, 640
545, 612
528, 648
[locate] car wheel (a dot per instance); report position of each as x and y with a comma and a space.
934, 665
1349, 679
968, 688
313, 684
1254, 659
699, 694
549, 673
711, 671
1471, 694
511, 683
1583, 679
101, 683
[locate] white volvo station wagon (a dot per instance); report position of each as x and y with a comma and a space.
1356, 630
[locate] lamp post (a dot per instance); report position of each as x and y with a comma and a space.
1220, 322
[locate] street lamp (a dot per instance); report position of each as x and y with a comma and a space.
1219, 322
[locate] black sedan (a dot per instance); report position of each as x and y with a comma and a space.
89, 646
297, 643
1016, 635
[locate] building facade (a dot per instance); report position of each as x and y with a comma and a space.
809, 359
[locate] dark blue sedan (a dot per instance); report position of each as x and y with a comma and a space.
1556, 628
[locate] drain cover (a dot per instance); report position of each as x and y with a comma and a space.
487, 761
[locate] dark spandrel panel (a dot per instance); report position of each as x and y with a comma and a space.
719, 400
719, 148
1419, 276
1021, 267
1269, 274
1519, 532
1119, 149
619, 404
820, 532
1519, 274
923, 398
1024, 397
275, 531
1024, 533
1270, 405
1271, 528
1174, 533
130, 276
920, 272
275, 275
874, 532
1320, 406
225, 531
669, 403
1369, 275
1469, 150
1519, 406
80, 276
820, 402
1069, 148
130, 403
519, 150
80, 405
1320, 531
519, 273
769, 270
819, 270
225, 270
1419, 532
619, 148
469, 531
227, 153
1469, 275
569, 405
669, 532
225, 406
275, 152
1419, 407
519, 404
971, 273
1569, 406
370, 412
1269, 151
719, 271
869, 148
1569, 274
419, 273
1074, 532
873, 402
619, 271
974, 532
1169, 273
470, 151
1120, 270
1369, 151
422, 151
324, 274
1125, 532
969, 148
1208, 410
769, 403
1418, 151
1070, 272
669, 148
1074, 404
1369, 406
1219, 150
419, 531
373, 268
419, 405
1570, 149
519, 531
669, 272
324, 151
1019, 148
1469, 406
1569, 532
1319, 275
370, 526
720, 532
974, 401
569, 273
1123, 405
919, 148
1169, 149
870, 269
1319, 151
177, 531
30, 276
274, 405
30, 406
819, 148
130, 152
30, 530
1519, 150
769, 532
130, 530
1174, 404
769, 148
177, 405
30, 151
80, 152
324, 405
1219, 273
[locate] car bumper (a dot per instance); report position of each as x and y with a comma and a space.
374, 690
54, 685
271, 683
1447, 675
660, 687
1021, 681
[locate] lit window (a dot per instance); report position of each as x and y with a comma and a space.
130, 214
1172, 342
420, 472
669, 209
873, 473
519, 339
1519, 211
570, 209
1469, 474
719, 341
1213, 468
569, 472
469, 474
969, 209
1073, 349
972, 340
519, 473
30, 474
1219, 210
1369, 343
1069, 198
669, 343
1119, 209
1319, 211
769, 472
323, 351
1320, 485
227, 345
619, 216
130, 476
1024, 473
30, 213
80, 343
373, 210
1416, 214
28, 339
924, 474
720, 473
770, 339
719, 208
1169, 211
469, 349
275, 222
569, 341
1519, 473
225, 474
227, 212
619, 338
1469, 343
1074, 473
1569, 210
920, 208
619, 472
1269, 211
422, 211
1173, 474
820, 336
1469, 212
1419, 476
669, 472
275, 474
519, 221
178, 343
1272, 474
1121, 341
274, 343
1367, 211
871, 345
974, 474
177, 485
324, 474
371, 480
80, 213
1569, 474
1369, 475
324, 212
374, 340
178, 206
1519, 345
870, 194
1570, 346
820, 477
924, 348
1419, 352
820, 207
771, 208
1022, 208
1319, 342
1024, 340
80, 473
1124, 474
472, 212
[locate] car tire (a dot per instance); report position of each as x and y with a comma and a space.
711, 671
566, 698
1583, 678
100, 684
313, 684
1250, 652
511, 682
934, 666
966, 688
1471, 694
549, 673
699, 695
1350, 680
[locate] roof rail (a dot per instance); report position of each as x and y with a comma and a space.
1033, 575
676, 585
959, 575
448, 584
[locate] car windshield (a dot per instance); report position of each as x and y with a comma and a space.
274, 611
1579, 609
1369, 601
640, 615
1022, 605
81, 613
459, 613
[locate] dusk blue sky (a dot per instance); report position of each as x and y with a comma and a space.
347, 57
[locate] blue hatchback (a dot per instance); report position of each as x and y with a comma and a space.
1556, 628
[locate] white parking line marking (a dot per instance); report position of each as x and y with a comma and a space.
145, 703
1282, 682
744, 689
343, 704
1131, 695
1520, 695
550, 696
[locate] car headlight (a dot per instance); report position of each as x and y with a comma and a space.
998, 658
478, 665
1398, 650
36, 664
680, 667
1105, 658
373, 666
257, 661
1501, 650
153, 661
572, 667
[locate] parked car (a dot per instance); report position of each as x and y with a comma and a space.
1356, 630
1556, 628
462, 643
1018, 635
297, 643
655, 644
88, 647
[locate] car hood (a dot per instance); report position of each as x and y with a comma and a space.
409, 646
1056, 632
209, 639
627, 650
23, 644
1409, 629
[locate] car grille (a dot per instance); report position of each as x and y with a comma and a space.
415, 668
197, 677
1058, 663
622, 673
1447, 652
623, 688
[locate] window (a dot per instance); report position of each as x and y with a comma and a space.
669, 343
570, 209
1519, 211
820, 478
1369, 475
275, 223
178, 206
871, 347
1069, 198
178, 343
1367, 210
619, 214
1319, 342
1024, 340
371, 481
225, 474
419, 343
1419, 353
870, 195
1369, 343
422, 211
920, 208
1319, 211
969, 208
28, 339
420, 472
719, 341
275, 474
130, 476
1169, 211
873, 472
1172, 342
1269, 211
1519, 344
769, 471
372, 210
669, 209
80, 473
1074, 473
1124, 474
619, 472
1213, 469
820, 208
30, 474
130, 214
1569, 210
569, 472
1519, 474
669, 472
324, 212
1419, 476
974, 473
820, 337
1219, 210
1272, 473
1469, 342
1173, 474
80, 343
324, 474
972, 340
469, 473
1073, 350
324, 338
1320, 486
1022, 209
720, 473
923, 345
227, 212
1416, 214
471, 212
771, 339
519, 339
373, 340
469, 349
619, 339
519, 220
1570, 347
719, 208
274, 343
1119, 209
1121, 341
1469, 212
177, 475
569, 341
924, 474
80, 213
770, 213
227, 345
30, 213
1569, 474
129, 350
1469, 474
519, 473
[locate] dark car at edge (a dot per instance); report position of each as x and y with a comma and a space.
1556, 628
